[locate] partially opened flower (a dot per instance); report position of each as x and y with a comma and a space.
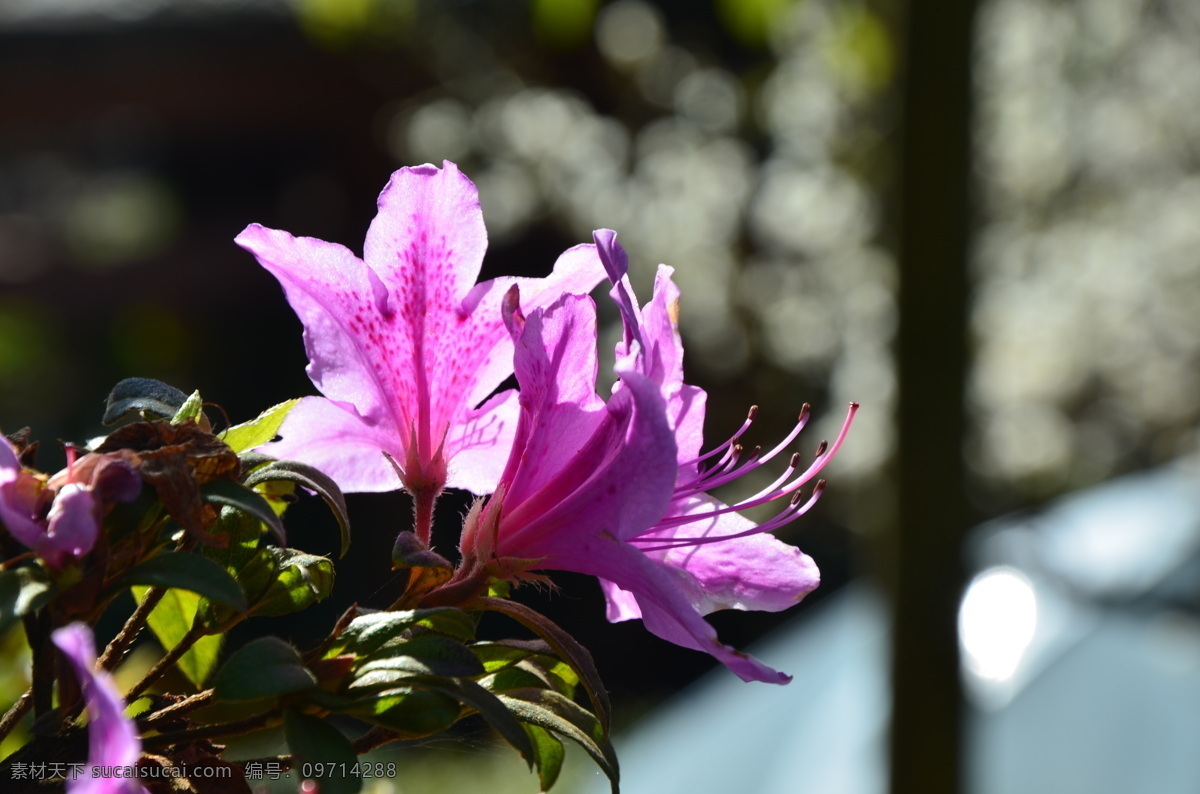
727, 561
404, 345
112, 738
59, 518
613, 489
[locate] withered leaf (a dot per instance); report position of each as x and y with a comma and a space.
25, 448
207, 455
176, 460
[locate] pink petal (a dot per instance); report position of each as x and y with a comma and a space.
555, 364
336, 440
479, 444
617, 484
428, 239
112, 737
16, 509
346, 314
756, 572
664, 597
72, 527
576, 272
621, 604
579, 466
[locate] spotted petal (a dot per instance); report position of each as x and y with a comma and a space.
404, 341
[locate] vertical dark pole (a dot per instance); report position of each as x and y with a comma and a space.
927, 577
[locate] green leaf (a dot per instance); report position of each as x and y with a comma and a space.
191, 409
306, 476
553, 712
301, 581
22, 591
148, 397
367, 633
410, 713
254, 569
497, 656
189, 572
259, 430
171, 620
265, 667
513, 678
315, 742
242, 532
230, 494
564, 645
498, 714
431, 654
548, 755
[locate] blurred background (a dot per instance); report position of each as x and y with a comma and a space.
766, 150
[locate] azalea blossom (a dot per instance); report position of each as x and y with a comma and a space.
615, 489
112, 738
59, 518
728, 561
404, 345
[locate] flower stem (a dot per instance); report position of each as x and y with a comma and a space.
235, 728
14, 714
114, 654
373, 738
165, 663
176, 710
423, 502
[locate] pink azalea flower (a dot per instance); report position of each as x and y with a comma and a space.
404, 345
66, 530
112, 738
618, 490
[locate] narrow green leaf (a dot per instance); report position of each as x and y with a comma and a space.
410, 713
431, 654
324, 750
171, 620
496, 656
191, 409
308, 477
548, 755
566, 646
189, 572
22, 591
230, 494
498, 713
367, 633
259, 430
265, 667
553, 712
519, 676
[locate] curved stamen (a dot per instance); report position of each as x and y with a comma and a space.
794, 510
825, 453
711, 478
750, 415
708, 480
801, 421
